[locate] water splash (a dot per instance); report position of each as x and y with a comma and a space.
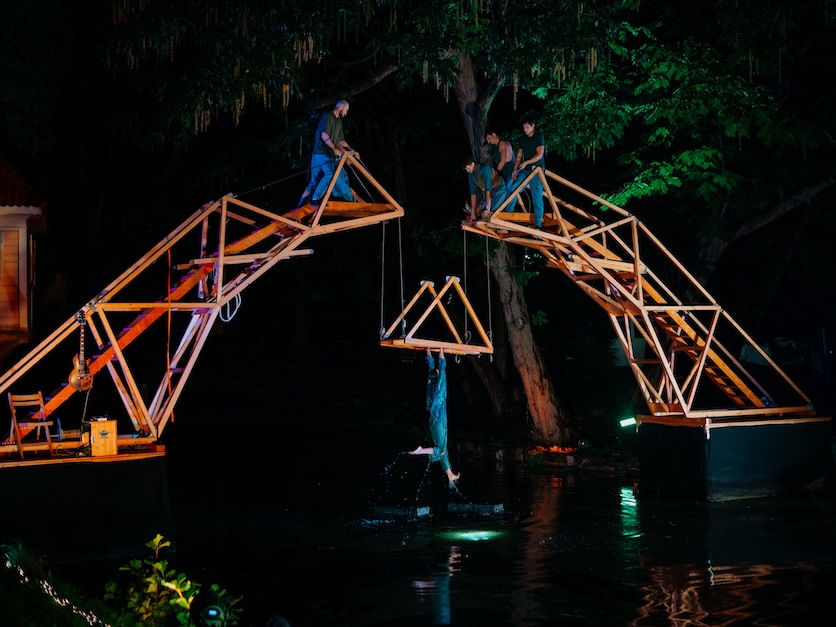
402, 488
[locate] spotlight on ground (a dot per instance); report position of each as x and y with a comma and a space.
208, 609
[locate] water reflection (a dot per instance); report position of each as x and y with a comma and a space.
570, 548
757, 562
531, 568
688, 594
436, 588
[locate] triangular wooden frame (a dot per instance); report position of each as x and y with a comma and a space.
459, 346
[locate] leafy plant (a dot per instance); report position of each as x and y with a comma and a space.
158, 595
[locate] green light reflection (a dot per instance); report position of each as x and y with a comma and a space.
471, 535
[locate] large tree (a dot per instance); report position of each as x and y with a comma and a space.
695, 102
281, 53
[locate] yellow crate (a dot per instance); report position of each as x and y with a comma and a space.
103, 437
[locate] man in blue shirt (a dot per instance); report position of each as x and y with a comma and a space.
531, 154
482, 177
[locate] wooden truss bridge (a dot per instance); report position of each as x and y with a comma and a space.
214, 255
680, 344
686, 362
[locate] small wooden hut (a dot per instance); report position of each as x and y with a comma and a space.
21, 218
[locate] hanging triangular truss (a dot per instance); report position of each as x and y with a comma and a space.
444, 319
691, 366
200, 268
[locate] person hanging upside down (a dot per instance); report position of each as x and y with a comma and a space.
437, 406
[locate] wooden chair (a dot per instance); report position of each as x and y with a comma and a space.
35, 420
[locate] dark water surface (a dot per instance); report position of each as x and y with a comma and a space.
283, 519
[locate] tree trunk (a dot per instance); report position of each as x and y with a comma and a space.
546, 411
548, 415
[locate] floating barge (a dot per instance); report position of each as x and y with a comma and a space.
713, 430
80, 507
721, 459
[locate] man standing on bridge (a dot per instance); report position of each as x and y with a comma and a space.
329, 144
531, 154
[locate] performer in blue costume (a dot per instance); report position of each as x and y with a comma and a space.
437, 406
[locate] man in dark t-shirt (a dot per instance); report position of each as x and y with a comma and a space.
531, 154
329, 144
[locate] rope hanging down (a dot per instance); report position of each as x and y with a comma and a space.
487, 287
383, 275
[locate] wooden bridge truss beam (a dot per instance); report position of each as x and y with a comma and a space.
217, 252
613, 257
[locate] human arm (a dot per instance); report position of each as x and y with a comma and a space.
326, 139
344, 145
518, 161
337, 147
487, 174
471, 186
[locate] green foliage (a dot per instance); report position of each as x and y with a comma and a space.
705, 118
539, 318
158, 595
250, 53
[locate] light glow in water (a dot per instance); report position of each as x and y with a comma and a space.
472, 535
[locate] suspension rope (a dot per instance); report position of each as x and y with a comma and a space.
464, 271
490, 302
382, 274
400, 265
261, 188
360, 180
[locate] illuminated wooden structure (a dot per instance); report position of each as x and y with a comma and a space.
713, 429
202, 266
453, 336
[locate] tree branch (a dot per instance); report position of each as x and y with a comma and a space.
802, 198
361, 86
